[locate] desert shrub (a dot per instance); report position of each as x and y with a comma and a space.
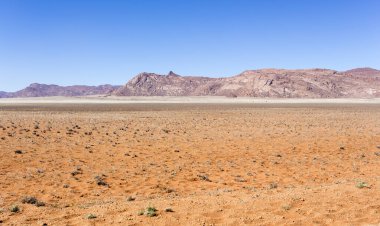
273, 185
149, 212
362, 184
100, 181
91, 216
15, 209
32, 200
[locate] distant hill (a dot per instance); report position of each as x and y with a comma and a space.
276, 83
3, 94
43, 90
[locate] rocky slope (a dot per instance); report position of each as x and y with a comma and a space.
150, 84
278, 83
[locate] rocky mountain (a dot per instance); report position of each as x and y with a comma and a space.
278, 83
43, 90
150, 84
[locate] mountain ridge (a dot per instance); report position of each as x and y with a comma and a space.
277, 83
267, 82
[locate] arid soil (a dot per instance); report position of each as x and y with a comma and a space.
196, 164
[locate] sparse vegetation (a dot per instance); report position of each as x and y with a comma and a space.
236, 151
100, 181
91, 216
15, 209
240, 179
77, 171
149, 212
362, 184
273, 185
32, 200
286, 207
204, 177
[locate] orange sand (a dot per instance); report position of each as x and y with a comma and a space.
212, 165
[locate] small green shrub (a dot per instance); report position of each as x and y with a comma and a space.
362, 184
151, 211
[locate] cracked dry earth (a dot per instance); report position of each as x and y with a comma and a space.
195, 164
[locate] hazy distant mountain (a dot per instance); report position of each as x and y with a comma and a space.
43, 90
277, 83
3, 94
364, 72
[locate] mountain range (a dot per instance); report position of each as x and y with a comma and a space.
276, 83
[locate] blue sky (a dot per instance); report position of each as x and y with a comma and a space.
95, 42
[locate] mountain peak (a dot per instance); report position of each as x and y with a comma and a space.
171, 73
36, 85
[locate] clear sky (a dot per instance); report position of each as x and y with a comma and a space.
95, 42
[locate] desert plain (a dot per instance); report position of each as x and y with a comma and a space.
190, 163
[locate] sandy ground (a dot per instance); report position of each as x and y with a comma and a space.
174, 99
211, 164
